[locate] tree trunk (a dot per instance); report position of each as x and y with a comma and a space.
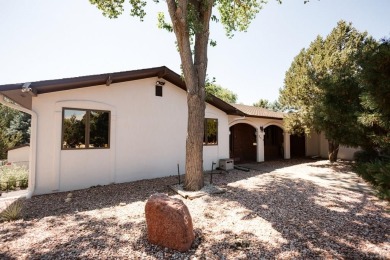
333, 150
194, 65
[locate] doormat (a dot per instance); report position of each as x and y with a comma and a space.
206, 190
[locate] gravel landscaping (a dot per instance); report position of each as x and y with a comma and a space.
295, 209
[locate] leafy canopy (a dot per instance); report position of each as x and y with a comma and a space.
223, 93
233, 15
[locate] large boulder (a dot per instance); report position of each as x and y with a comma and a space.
169, 222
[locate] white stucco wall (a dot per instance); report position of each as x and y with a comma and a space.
312, 143
147, 136
345, 153
19, 156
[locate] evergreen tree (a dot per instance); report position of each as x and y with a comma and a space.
19, 129
375, 98
264, 103
322, 83
11, 119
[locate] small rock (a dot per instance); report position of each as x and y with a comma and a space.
68, 199
70, 195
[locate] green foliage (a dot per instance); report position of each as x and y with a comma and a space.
377, 172
264, 103
74, 131
12, 212
375, 97
14, 129
323, 85
12, 177
220, 92
365, 156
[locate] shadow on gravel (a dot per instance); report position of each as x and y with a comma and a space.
317, 222
86, 241
94, 198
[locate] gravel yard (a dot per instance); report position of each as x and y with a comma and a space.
296, 209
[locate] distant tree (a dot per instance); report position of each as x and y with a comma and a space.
19, 129
322, 84
14, 129
220, 92
264, 103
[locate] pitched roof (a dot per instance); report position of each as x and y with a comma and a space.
14, 91
258, 112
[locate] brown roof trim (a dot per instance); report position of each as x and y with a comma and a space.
13, 91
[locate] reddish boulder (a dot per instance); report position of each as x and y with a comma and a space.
169, 222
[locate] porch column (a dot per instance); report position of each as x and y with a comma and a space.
260, 145
286, 145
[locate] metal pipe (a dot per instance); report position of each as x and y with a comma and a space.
33, 143
178, 172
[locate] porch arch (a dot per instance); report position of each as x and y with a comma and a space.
243, 142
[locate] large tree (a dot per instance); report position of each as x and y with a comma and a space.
322, 84
375, 98
190, 21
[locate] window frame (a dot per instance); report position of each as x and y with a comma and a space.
205, 141
87, 129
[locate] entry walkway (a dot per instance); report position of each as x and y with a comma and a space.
321, 172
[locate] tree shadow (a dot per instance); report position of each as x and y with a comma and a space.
91, 237
316, 221
97, 197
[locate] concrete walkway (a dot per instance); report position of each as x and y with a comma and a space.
7, 198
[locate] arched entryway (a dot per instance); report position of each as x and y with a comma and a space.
297, 146
273, 143
243, 143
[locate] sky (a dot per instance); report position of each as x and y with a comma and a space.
53, 39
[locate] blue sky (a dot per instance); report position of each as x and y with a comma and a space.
50, 39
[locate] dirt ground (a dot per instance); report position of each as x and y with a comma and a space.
295, 209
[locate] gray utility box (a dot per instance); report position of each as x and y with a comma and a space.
226, 164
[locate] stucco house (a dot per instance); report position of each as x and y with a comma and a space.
126, 126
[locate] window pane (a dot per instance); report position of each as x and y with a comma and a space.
74, 128
211, 129
99, 122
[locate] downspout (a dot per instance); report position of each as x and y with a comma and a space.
33, 144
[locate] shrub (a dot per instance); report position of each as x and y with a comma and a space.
12, 177
12, 211
365, 156
377, 173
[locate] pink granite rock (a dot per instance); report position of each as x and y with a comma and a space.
169, 222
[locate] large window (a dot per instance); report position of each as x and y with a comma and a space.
210, 131
85, 129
